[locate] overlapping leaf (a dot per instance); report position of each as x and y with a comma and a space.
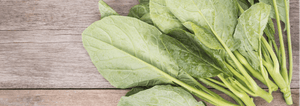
159, 96
129, 52
162, 16
105, 10
141, 11
217, 15
250, 29
280, 6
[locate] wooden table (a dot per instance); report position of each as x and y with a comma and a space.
43, 62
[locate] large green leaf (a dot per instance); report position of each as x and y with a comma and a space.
129, 52
162, 16
161, 95
250, 29
204, 17
280, 6
212, 15
105, 10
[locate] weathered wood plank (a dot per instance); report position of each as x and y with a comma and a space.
40, 43
60, 97
98, 97
54, 14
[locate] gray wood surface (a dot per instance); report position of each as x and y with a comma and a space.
40, 43
98, 98
40, 47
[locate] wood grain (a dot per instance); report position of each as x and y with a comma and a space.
98, 98
40, 43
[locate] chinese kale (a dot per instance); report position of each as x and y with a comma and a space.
171, 45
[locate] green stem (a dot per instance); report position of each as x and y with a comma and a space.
253, 84
242, 87
258, 92
282, 51
262, 77
205, 81
198, 92
239, 93
266, 54
263, 72
236, 74
217, 82
254, 73
277, 77
208, 91
288, 29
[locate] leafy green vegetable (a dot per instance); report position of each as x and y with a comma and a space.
244, 4
116, 39
105, 10
215, 24
153, 49
250, 30
129, 52
280, 10
162, 17
138, 11
142, 12
280, 6
161, 95
146, 18
194, 45
134, 91
191, 39
220, 15
200, 11
194, 64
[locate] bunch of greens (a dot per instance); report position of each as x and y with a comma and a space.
174, 44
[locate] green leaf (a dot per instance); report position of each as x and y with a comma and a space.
270, 30
250, 29
161, 95
128, 52
105, 10
134, 91
280, 6
205, 17
211, 15
191, 62
162, 16
142, 12
146, 18
138, 11
193, 45
244, 4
